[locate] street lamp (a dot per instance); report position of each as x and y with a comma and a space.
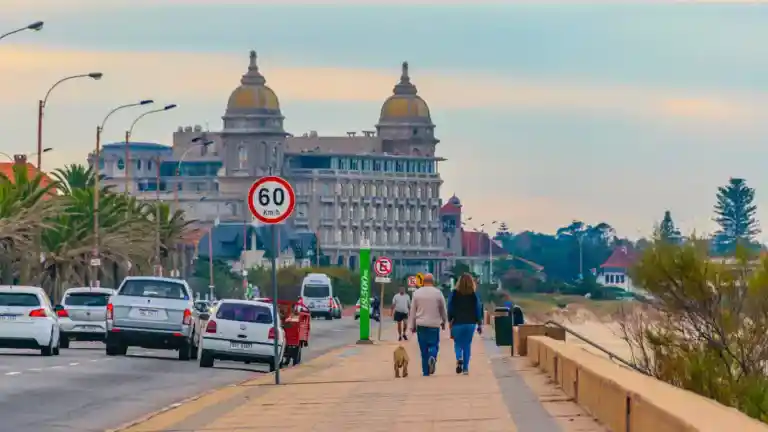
128, 133
95, 261
41, 107
45, 150
36, 26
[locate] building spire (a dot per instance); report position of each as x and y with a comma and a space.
405, 87
253, 76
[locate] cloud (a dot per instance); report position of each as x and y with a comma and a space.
209, 77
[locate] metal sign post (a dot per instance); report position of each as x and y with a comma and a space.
271, 201
383, 268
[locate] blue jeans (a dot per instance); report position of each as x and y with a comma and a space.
429, 344
462, 342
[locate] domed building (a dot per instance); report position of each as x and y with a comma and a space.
382, 185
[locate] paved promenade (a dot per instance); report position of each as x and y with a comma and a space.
354, 389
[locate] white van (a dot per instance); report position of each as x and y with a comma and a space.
317, 295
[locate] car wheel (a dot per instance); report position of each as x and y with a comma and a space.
185, 351
64, 341
115, 348
328, 317
47, 351
194, 349
206, 359
57, 348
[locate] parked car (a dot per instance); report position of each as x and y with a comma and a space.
28, 321
82, 314
154, 313
242, 330
370, 311
337, 308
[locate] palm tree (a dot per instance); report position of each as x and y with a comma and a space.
173, 227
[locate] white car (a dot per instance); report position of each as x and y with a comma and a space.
83, 314
241, 330
27, 320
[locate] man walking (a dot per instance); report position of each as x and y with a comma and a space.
428, 315
401, 306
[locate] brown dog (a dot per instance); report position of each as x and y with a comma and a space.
401, 361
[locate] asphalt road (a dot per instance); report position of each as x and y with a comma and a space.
84, 390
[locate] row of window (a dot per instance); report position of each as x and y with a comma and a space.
383, 165
615, 278
371, 189
355, 212
380, 237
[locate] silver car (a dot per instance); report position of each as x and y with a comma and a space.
153, 313
82, 314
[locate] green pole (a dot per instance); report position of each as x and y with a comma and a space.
365, 292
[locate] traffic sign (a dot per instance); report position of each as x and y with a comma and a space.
271, 200
419, 280
383, 266
383, 280
412, 282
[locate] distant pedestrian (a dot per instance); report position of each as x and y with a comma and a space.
428, 315
401, 306
465, 315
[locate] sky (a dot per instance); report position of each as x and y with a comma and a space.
546, 111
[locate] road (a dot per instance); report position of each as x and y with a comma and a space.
84, 390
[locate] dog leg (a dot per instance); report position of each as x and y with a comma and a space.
405, 368
397, 371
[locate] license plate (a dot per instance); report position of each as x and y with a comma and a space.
7, 317
238, 345
87, 327
149, 313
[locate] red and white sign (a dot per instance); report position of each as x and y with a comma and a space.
412, 282
271, 200
383, 267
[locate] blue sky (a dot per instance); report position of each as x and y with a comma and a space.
546, 112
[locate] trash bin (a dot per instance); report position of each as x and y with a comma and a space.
502, 323
517, 316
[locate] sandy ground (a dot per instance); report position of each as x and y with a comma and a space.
601, 330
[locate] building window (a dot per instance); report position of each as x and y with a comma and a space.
367, 165
384, 237
389, 166
429, 237
407, 239
417, 239
377, 165
120, 164
383, 190
338, 236
242, 156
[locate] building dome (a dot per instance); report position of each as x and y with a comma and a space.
405, 105
253, 93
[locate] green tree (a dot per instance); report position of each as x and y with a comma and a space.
735, 212
667, 229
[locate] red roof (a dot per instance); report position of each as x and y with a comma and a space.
622, 257
476, 243
6, 169
452, 207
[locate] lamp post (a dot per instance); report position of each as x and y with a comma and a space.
41, 108
128, 133
45, 150
205, 143
95, 261
35, 26
490, 250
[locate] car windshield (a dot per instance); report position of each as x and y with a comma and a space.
95, 299
154, 288
19, 299
317, 291
244, 313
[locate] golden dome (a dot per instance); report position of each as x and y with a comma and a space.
405, 103
404, 107
253, 97
253, 93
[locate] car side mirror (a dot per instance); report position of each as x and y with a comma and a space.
58, 307
205, 316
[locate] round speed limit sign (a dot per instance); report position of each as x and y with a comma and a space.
271, 199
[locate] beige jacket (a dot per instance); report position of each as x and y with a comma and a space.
428, 308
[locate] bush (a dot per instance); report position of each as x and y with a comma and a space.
705, 330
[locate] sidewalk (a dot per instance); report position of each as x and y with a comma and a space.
354, 389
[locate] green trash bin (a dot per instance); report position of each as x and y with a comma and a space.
502, 323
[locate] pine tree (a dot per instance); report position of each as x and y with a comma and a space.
735, 212
667, 229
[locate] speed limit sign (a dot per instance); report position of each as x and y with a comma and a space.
271, 199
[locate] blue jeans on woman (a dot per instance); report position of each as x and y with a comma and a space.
462, 343
429, 344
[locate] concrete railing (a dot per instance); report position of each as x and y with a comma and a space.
624, 400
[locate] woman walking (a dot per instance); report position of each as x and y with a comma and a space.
465, 315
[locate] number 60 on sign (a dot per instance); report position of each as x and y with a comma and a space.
271, 199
